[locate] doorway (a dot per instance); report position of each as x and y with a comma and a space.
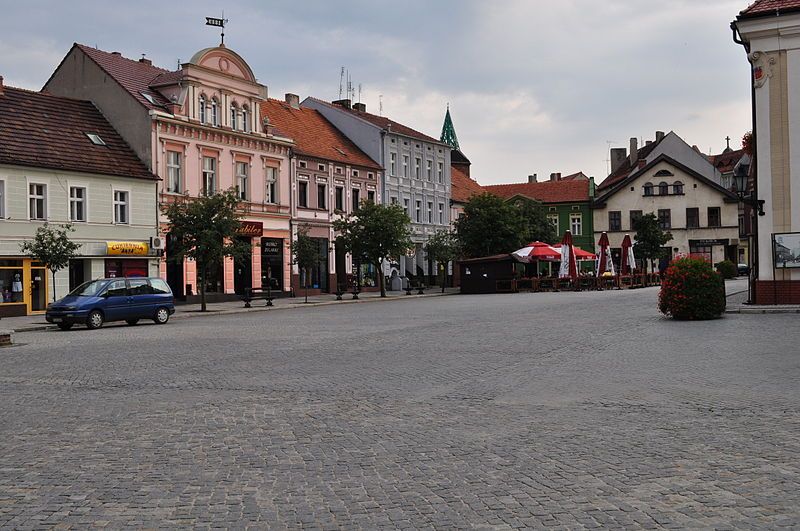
77, 274
174, 271
340, 261
243, 271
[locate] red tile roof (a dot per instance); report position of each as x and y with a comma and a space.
134, 76
769, 7
562, 191
725, 162
44, 131
385, 123
626, 168
313, 134
462, 186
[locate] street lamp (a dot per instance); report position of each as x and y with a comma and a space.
740, 187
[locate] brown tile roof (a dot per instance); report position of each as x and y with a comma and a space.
462, 186
547, 192
133, 76
625, 168
45, 131
725, 162
769, 7
385, 123
313, 134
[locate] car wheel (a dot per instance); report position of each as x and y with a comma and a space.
65, 326
132, 322
94, 320
162, 316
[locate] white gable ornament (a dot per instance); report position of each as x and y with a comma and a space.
762, 67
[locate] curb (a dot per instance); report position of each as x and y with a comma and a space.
763, 310
292, 306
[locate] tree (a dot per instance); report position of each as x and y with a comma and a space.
649, 239
375, 233
52, 247
443, 247
490, 226
305, 253
204, 229
538, 227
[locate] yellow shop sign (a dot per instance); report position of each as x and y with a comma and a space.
127, 248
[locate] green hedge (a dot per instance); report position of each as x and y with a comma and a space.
691, 290
727, 269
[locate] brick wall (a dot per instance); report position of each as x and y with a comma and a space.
777, 292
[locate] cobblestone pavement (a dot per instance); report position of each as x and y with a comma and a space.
570, 410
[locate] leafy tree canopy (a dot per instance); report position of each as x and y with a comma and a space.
650, 238
52, 247
305, 253
490, 226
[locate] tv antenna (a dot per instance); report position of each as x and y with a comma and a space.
341, 81
380, 104
359, 93
609, 143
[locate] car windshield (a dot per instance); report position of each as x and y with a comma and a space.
89, 289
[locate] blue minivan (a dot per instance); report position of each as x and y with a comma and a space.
113, 299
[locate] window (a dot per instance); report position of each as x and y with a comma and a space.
303, 164
139, 286
209, 175
441, 213
159, 287
120, 206
614, 220
664, 218
635, 216
339, 199
214, 113
271, 185
117, 289
692, 218
429, 170
37, 195
149, 98
677, 188
321, 167
174, 181
356, 199
242, 169
430, 211
554, 220
663, 188
355, 173
576, 224
419, 212
648, 188
322, 192
407, 208
96, 140
339, 171
234, 117
302, 194
393, 163
77, 203
742, 227
405, 165
440, 172
714, 217
393, 200
371, 196
245, 120
201, 109
417, 164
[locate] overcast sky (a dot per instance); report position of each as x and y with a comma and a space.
534, 86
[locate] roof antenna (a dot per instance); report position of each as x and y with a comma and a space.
341, 81
380, 104
359, 93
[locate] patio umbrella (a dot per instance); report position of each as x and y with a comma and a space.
569, 265
628, 262
536, 251
580, 254
604, 261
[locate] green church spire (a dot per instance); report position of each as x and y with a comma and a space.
448, 131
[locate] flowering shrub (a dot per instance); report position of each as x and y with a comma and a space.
691, 290
726, 268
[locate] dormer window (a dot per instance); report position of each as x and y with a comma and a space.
677, 188
234, 117
648, 188
149, 98
663, 188
201, 108
96, 140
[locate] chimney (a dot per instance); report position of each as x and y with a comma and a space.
648, 142
117, 54
558, 176
618, 156
659, 135
342, 103
146, 61
552, 176
360, 107
1, 85
174, 108
293, 100
634, 154
531, 178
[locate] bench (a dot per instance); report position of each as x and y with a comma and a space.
251, 294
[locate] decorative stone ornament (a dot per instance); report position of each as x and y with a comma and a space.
762, 67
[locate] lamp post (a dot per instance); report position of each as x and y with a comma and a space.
748, 197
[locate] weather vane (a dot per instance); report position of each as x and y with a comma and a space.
220, 23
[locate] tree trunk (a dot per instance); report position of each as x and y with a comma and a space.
202, 274
53, 271
381, 280
444, 274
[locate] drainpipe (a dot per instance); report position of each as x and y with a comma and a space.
753, 273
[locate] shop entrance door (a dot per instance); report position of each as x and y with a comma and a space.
77, 274
174, 271
38, 289
341, 268
243, 272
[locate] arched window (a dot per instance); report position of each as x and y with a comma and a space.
648, 188
663, 188
677, 188
201, 109
245, 119
214, 112
234, 117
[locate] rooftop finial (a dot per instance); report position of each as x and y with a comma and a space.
449, 131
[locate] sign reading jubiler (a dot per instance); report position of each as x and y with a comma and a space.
127, 248
250, 228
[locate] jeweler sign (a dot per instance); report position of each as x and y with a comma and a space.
250, 228
127, 248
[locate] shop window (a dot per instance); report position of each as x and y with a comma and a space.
77, 203
121, 207
11, 279
37, 198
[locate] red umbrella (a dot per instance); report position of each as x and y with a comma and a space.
569, 265
624, 267
580, 254
604, 263
535, 251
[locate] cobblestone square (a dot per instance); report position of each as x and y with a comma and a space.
564, 410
